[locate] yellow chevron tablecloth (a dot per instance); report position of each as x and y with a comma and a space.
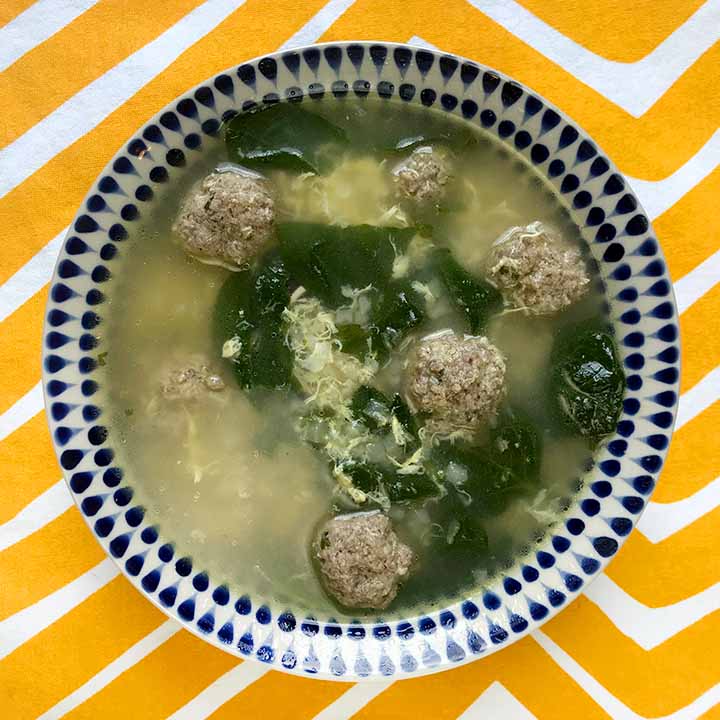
77, 77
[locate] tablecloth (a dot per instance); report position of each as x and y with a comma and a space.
78, 77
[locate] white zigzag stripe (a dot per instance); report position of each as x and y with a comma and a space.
650, 627
497, 703
31, 277
39, 22
353, 700
700, 280
20, 627
45, 508
103, 575
20, 412
698, 398
659, 196
635, 87
319, 24
91, 105
113, 670
662, 520
219, 692
606, 700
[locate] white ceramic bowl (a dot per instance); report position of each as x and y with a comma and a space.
641, 307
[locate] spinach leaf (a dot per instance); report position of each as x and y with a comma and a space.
232, 300
403, 488
404, 415
476, 298
249, 306
282, 136
587, 381
296, 243
489, 485
457, 141
374, 478
354, 339
324, 258
516, 444
271, 282
401, 309
367, 477
371, 407
463, 525
376, 410
270, 361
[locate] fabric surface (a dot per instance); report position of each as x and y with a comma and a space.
78, 77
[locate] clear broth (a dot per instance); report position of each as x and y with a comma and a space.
230, 483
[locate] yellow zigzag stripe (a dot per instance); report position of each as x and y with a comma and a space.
620, 31
61, 658
10, 9
648, 147
684, 662
91, 637
163, 682
83, 47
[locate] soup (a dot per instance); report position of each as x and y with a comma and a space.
356, 359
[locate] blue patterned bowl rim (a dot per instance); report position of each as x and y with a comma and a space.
641, 307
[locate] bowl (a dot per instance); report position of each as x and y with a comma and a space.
641, 308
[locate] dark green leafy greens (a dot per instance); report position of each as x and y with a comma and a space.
378, 480
282, 137
587, 381
480, 482
326, 258
475, 298
405, 417
376, 411
249, 307
401, 309
457, 142
398, 310
356, 339
371, 407
379, 413
489, 484
517, 445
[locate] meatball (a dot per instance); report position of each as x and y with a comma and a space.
362, 560
536, 271
423, 176
228, 218
459, 382
190, 382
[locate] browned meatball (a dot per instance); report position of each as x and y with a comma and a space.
423, 176
536, 271
362, 560
228, 218
458, 381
